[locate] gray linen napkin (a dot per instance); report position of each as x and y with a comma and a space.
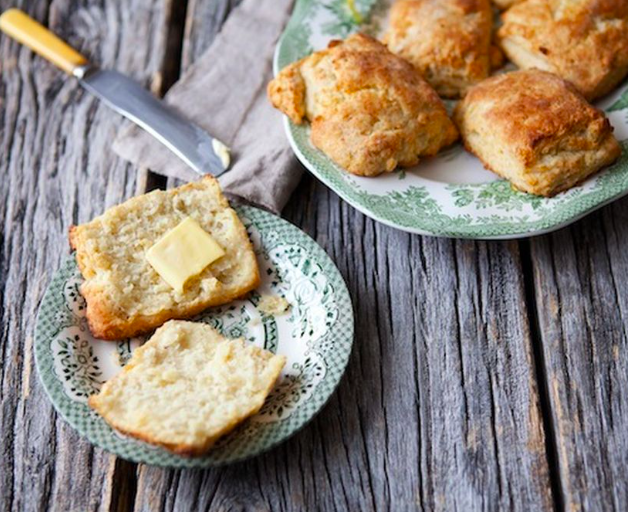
224, 92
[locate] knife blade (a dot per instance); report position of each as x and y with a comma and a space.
185, 139
202, 152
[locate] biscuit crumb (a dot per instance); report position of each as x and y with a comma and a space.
273, 305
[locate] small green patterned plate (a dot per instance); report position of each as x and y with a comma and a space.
315, 334
452, 194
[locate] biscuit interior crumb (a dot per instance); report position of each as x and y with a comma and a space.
273, 305
187, 386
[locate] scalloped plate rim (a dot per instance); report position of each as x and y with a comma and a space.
470, 236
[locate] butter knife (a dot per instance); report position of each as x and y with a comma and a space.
203, 153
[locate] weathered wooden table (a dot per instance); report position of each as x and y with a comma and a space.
484, 376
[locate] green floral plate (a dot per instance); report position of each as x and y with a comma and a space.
315, 334
452, 194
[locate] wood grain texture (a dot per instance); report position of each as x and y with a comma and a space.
580, 275
57, 169
443, 389
440, 407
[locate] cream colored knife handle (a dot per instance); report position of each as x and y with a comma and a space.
27, 31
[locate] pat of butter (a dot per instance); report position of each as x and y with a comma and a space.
183, 252
223, 152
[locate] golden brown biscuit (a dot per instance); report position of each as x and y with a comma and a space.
583, 41
448, 41
536, 130
370, 110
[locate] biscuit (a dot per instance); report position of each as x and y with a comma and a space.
583, 41
187, 386
125, 296
370, 110
535, 129
448, 41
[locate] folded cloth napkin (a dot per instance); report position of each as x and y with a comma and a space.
224, 92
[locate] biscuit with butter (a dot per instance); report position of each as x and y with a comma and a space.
129, 294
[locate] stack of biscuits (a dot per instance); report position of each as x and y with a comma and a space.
374, 106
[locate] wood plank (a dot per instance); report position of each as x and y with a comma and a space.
580, 275
444, 346
57, 169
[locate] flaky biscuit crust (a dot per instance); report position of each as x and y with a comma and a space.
583, 41
536, 130
448, 41
370, 110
